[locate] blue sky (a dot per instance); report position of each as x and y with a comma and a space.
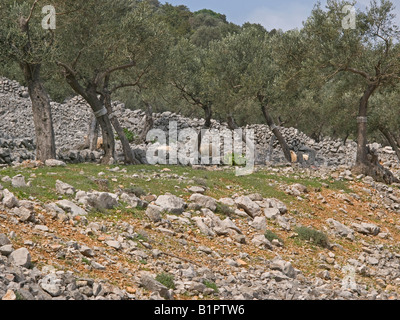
283, 14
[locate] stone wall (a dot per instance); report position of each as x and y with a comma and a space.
71, 120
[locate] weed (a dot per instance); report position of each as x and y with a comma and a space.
211, 285
224, 209
137, 191
166, 279
269, 235
316, 237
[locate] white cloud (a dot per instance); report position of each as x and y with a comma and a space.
295, 13
290, 18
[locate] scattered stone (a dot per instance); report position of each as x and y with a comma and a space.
204, 201
71, 207
9, 200
249, 206
18, 181
154, 213
171, 204
54, 163
64, 188
21, 257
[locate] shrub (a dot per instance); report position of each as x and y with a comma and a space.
211, 285
224, 209
166, 279
137, 191
269, 235
315, 236
235, 159
130, 136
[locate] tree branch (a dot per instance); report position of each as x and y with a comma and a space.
31, 12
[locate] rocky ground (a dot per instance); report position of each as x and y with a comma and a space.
151, 232
286, 232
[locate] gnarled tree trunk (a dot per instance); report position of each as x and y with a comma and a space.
275, 130
128, 154
389, 137
41, 109
367, 161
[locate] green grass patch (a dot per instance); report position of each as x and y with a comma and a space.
166, 279
269, 235
314, 236
211, 285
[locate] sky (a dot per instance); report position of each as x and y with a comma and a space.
278, 14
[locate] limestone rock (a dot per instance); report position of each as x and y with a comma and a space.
154, 213
64, 188
249, 206
18, 181
171, 204
71, 207
21, 257
204, 201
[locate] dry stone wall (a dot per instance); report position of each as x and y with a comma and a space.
71, 121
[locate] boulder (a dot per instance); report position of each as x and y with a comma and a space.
54, 163
64, 188
21, 258
18, 181
9, 200
204, 201
248, 205
154, 213
71, 207
171, 204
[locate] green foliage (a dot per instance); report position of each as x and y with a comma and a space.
130, 136
211, 285
137, 191
316, 237
166, 279
224, 209
235, 159
269, 235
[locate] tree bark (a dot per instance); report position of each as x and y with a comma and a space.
128, 154
90, 95
41, 109
389, 137
361, 159
367, 161
92, 135
275, 130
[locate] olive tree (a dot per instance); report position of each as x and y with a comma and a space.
368, 51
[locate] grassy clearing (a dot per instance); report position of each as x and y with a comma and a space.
158, 180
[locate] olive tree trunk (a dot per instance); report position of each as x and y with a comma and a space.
41, 109
275, 130
367, 162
